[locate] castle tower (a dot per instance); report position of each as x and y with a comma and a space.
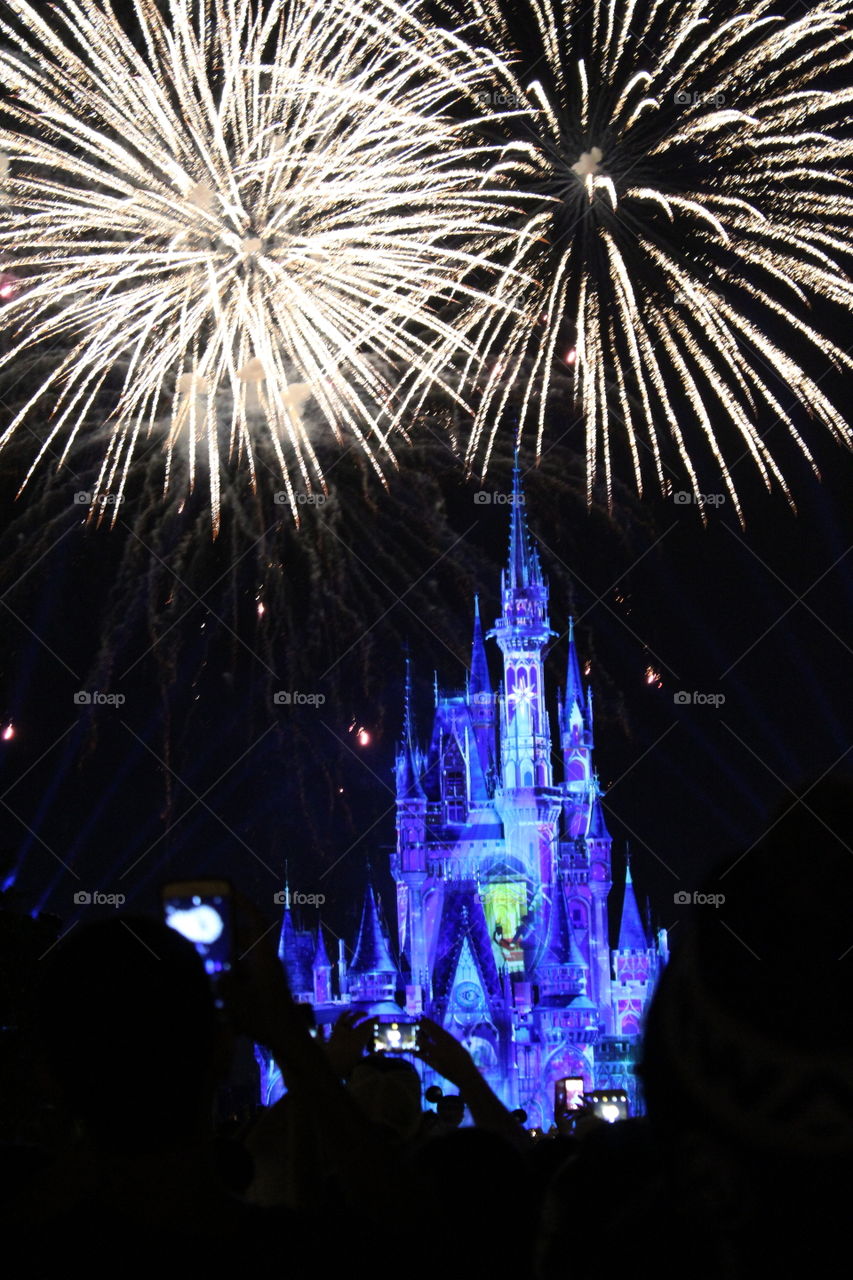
634, 965
528, 803
372, 975
522, 632
410, 867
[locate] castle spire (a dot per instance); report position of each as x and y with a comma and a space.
574, 686
523, 570
372, 951
408, 779
562, 945
295, 948
478, 683
597, 828
632, 935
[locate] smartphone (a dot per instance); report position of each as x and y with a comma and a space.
608, 1104
202, 910
568, 1095
395, 1037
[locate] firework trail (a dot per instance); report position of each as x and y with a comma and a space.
268, 206
693, 168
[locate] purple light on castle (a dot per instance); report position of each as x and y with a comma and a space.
503, 876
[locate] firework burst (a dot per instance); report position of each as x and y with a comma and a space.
266, 208
695, 208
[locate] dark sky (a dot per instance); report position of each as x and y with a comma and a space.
760, 617
200, 772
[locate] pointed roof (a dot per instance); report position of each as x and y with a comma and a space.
523, 569
296, 950
597, 829
408, 773
463, 918
479, 682
321, 955
562, 945
632, 935
372, 950
574, 685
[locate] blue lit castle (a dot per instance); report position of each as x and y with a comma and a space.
503, 876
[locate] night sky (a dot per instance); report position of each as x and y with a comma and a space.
200, 772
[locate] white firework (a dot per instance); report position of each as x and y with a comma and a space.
269, 204
693, 242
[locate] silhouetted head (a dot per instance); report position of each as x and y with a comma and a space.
130, 1033
388, 1089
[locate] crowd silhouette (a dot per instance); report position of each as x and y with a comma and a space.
116, 1160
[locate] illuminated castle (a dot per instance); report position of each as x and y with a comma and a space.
503, 875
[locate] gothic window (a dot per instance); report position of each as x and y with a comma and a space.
455, 796
579, 915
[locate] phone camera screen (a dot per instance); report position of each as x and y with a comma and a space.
205, 922
395, 1037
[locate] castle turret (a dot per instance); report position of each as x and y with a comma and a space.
372, 975
322, 969
632, 935
296, 951
635, 965
562, 971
